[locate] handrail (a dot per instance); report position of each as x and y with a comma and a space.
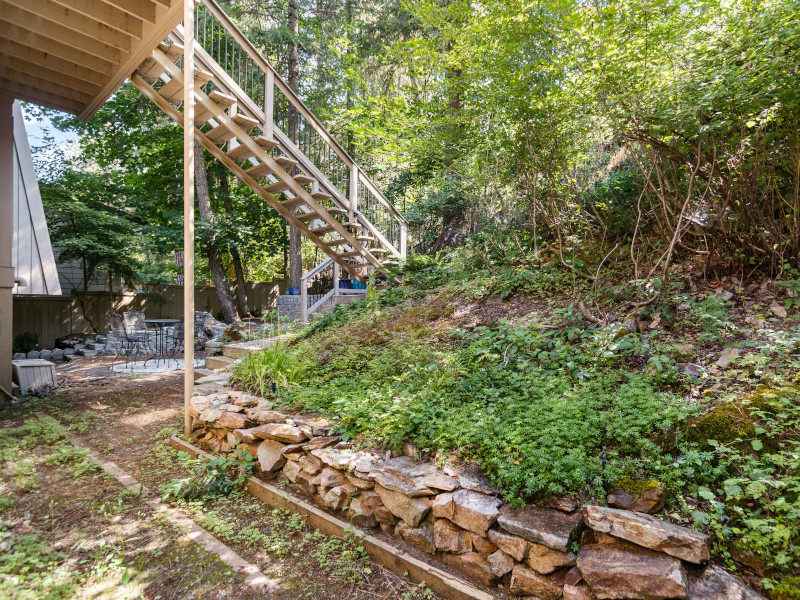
297, 102
325, 263
306, 138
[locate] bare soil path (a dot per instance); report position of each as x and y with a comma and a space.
69, 530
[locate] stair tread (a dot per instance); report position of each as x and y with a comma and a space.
245, 121
292, 202
265, 142
337, 242
320, 196
303, 179
173, 89
240, 153
220, 133
277, 187
221, 98
260, 170
285, 161
315, 215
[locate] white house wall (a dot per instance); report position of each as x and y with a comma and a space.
32, 253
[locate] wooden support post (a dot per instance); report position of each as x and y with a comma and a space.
351, 214
6, 241
335, 279
269, 105
188, 212
304, 300
403, 240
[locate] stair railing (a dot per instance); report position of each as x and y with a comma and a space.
289, 121
306, 310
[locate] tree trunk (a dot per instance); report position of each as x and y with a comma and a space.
241, 290
214, 258
295, 237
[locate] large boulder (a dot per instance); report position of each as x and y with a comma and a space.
411, 510
630, 572
652, 533
470, 510
206, 328
546, 526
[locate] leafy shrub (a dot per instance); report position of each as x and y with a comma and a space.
25, 342
210, 477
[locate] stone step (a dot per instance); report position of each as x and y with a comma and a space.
201, 372
219, 362
347, 298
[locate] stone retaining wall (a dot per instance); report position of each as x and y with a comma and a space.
454, 516
289, 306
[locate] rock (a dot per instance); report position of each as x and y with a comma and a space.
473, 566
546, 560
501, 563
321, 442
514, 546
19, 356
525, 581
231, 408
231, 420
338, 459
246, 401
467, 509
411, 510
85, 352
269, 456
250, 449
310, 463
754, 322
361, 484
472, 478
405, 476
331, 477
370, 499
691, 369
717, 584
69, 351
280, 432
647, 531
46, 354
294, 451
579, 591
411, 451
33, 354
545, 526
421, 538
246, 435
210, 415
362, 516
304, 482
291, 470
440, 481
318, 425
727, 356
614, 572
384, 516
564, 504
337, 498
362, 463
483, 546
262, 415
451, 538
650, 501
778, 310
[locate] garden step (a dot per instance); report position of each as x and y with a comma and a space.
346, 299
219, 362
201, 372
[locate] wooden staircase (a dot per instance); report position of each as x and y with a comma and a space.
253, 123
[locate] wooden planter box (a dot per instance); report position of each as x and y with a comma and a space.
33, 373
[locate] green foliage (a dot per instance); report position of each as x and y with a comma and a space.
271, 366
25, 342
210, 476
754, 503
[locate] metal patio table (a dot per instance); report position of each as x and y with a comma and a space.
160, 328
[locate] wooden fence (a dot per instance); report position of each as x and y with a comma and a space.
52, 317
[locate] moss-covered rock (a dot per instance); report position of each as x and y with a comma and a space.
724, 424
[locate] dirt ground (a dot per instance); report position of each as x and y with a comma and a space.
69, 530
